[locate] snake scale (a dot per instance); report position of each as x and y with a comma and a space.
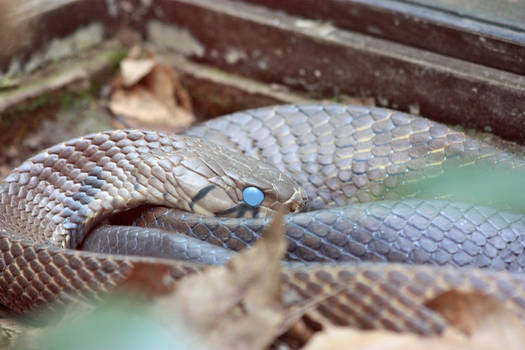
376, 256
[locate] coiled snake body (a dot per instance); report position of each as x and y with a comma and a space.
349, 161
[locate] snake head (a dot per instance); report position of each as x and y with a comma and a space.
222, 182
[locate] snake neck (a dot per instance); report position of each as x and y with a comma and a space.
60, 194
63, 215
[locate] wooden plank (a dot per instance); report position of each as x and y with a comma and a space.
326, 61
32, 26
460, 36
214, 92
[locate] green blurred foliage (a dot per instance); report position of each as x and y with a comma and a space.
117, 324
485, 185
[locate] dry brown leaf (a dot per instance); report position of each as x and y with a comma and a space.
148, 94
486, 321
336, 338
148, 279
236, 306
164, 84
476, 322
132, 70
340, 338
143, 110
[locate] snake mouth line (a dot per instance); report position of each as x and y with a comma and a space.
241, 209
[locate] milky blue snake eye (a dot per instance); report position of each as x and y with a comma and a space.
252, 196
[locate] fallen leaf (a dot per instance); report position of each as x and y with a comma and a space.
477, 322
132, 70
487, 322
149, 279
236, 306
143, 110
148, 94
340, 338
164, 84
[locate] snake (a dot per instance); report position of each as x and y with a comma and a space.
78, 218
